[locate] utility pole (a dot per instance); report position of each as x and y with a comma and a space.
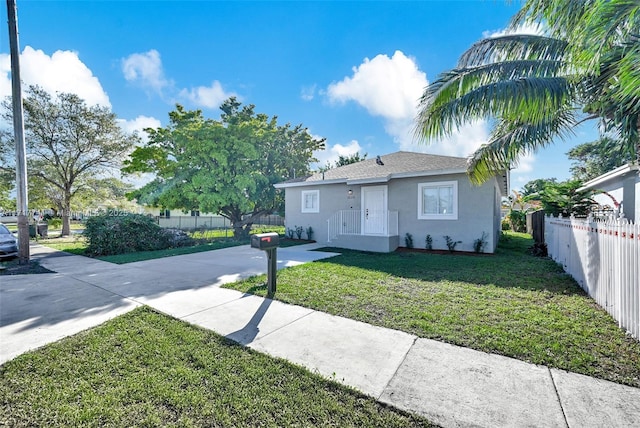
18, 131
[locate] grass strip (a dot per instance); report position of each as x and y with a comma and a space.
77, 244
71, 244
147, 369
509, 303
169, 252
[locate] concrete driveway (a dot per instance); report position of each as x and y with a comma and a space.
39, 309
450, 385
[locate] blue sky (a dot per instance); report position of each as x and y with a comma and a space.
349, 71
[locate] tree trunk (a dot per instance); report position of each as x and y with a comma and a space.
66, 216
241, 228
240, 231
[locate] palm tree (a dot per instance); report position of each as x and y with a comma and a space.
534, 88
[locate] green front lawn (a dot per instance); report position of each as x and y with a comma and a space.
510, 303
75, 244
149, 255
147, 369
78, 245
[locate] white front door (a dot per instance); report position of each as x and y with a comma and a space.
374, 210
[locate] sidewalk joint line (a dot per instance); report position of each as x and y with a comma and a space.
404, 358
555, 388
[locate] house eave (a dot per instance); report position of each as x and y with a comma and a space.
286, 185
615, 173
429, 173
505, 180
371, 180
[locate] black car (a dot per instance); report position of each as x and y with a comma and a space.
8, 243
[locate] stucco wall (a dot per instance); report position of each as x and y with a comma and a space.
625, 190
478, 211
333, 198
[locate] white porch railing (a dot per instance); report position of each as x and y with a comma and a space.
349, 222
604, 258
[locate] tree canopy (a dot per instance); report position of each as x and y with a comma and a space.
226, 166
69, 145
535, 88
534, 186
596, 158
558, 198
344, 160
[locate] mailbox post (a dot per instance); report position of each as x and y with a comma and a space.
268, 242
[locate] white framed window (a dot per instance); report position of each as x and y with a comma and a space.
310, 201
438, 200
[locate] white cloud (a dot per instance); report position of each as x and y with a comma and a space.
386, 87
5, 75
525, 164
307, 93
390, 88
63, 71
139, 124
522, 173
145, 69
332, 153
207, 96
530, 28
463, 142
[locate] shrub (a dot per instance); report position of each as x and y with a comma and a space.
309, 233
429, 243
518, 220
480, 243
539, 249
290, 233
451, 244
299, 230
505, 225
108, 234
54, 222
179, 238
408, 240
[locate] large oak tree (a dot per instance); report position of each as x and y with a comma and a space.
226, 166
69, 145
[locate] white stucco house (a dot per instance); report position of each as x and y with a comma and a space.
622, 187
371, 205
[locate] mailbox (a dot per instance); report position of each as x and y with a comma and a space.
265, 241
268, 242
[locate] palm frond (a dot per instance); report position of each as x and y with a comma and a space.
616, 87
611, 22
457, 82
510, 140
531, 100
560, 18
513, 47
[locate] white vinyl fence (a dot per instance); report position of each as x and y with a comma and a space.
212, 222
603, 256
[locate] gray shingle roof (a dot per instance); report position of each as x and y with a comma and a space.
395, 164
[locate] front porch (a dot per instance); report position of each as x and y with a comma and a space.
368, 230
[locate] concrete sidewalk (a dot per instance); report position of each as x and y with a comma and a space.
450, 385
